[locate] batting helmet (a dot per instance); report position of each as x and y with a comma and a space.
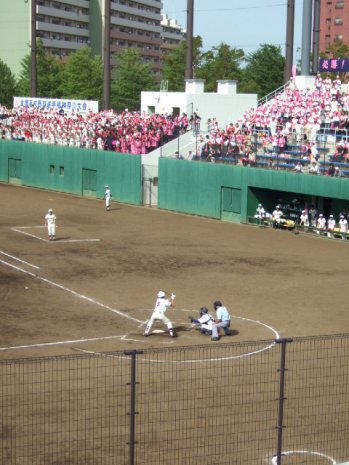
161, 294
217, 304
203, 310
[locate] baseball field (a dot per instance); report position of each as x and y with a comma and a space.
92, 290
97, 284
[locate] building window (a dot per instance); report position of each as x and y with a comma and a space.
61, 170
339, 5
52, 169
338, 21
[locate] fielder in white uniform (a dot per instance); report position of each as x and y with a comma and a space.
222, 321
161, 305
50, 222
107, 197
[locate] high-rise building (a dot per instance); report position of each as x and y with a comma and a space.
66, 25
334, 22
172, 33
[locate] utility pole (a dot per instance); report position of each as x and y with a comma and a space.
316, 36
289, 40
106, 56
306, 37
190, 28
33, 73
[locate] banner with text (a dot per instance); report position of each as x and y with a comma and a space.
67, 105
334, 65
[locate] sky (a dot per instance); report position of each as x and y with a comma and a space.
242, 24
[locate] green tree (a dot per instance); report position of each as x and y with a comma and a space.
174, 63
220, 63
83, 76
336, 50
7, 85
129, 77
264, 71
49, 74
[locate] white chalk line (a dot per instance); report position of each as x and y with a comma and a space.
19, 230
30, 235
71, 291
305, 452
217, 359
118, 312
73, 341
19, 260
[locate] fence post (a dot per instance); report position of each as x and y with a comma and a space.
282, 397
132, 413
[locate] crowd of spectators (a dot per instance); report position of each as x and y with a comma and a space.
294, 114
127, 132
297, 114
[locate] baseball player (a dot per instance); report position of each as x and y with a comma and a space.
260, 213
50, 222
331, 224
321, 225
107, 197
161, 305
343, 226
205, 322
222, 321
304, 220
277, 214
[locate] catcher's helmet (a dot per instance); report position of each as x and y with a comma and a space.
161, 294
217, 304
203, 310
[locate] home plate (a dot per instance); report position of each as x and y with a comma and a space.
158, 331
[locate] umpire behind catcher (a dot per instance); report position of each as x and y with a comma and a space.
222, 321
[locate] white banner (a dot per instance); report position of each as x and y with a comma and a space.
67, 105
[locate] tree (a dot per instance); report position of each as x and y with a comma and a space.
264, 70
174, 63
7, 85
83, 76
336, 50
49, 74
129, 77
220, 63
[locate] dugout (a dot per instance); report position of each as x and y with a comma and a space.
292, 203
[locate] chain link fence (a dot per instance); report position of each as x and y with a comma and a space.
257, 403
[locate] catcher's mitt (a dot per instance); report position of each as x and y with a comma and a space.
190, 318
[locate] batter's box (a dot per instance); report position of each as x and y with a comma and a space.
63, 234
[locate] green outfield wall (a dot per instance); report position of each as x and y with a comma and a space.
220, 191
76, 171
232, 193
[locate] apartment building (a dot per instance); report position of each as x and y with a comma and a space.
334, 22
66, 25
172, 33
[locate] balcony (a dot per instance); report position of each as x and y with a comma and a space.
60, 29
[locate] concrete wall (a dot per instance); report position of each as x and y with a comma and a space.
226, 105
